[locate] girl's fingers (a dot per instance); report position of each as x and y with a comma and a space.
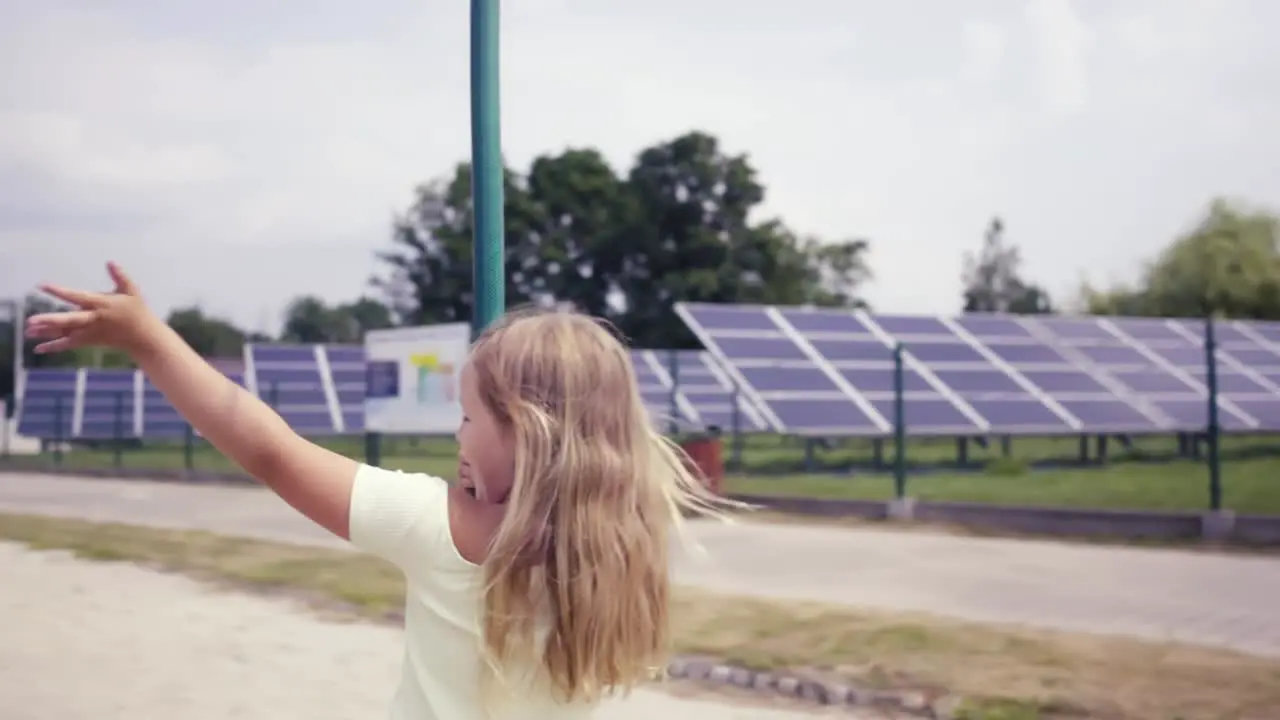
60, 345
79, 298
124, 285
52, 324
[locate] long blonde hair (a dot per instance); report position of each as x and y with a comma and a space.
582, 552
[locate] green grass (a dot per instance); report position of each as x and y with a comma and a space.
1251, 478
993, 672
1249, 486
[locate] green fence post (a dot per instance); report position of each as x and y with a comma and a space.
117, 432
58, 413
487, 172
899, 427
1214, 430
188, 447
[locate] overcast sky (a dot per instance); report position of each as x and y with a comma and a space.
236, 154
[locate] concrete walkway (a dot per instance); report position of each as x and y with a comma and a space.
1205, 598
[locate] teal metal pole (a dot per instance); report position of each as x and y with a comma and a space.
489, 284
1215, 428
899, 426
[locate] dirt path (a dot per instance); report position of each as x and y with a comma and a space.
110, 641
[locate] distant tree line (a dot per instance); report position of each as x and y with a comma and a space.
681, 224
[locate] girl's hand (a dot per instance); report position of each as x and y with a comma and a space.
119, 319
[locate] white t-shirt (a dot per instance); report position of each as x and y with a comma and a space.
404, 518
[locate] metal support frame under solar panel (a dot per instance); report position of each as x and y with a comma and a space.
827, 372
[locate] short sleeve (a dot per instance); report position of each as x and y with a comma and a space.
400, 517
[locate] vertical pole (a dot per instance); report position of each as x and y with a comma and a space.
489, 285
117, 432
188, 447
1214, 431
19, 344
58, 414
899, 427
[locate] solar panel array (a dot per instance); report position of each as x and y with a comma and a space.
796, 370
309, 385
830, 372
320, 390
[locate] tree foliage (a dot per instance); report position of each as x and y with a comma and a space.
1227, 264
309, 319
678, 226
207, 335
993, 278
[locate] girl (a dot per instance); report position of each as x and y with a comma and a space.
538, 583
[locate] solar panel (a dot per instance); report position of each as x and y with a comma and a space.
989, 373
705, 395
48, 404
109, 405
816, 371
1157, 365
289, 379
347, 368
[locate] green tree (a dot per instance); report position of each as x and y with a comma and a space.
309, 320
1228, 264
428, 278
678, 227
692, 238
211, 337
993, 278
577, 206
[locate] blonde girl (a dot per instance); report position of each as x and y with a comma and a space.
538, 583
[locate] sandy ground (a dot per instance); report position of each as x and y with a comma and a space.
1160, 594
110, 641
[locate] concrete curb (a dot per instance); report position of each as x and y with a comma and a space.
817, 692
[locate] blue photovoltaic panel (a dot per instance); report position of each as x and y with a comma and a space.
288, 379
909, 325
48, 404
816, 371
822, 416
1155, 366
1011, 414
993, 326
817, 320
880, 380
348, 368
793, 392
849, 350
1261, 329
705, 396
108, 404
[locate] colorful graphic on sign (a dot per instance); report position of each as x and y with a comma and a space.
412, 381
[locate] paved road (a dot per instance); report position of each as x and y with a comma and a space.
116, 642
1212, 599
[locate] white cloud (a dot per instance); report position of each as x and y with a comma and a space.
1060, 39
985, 46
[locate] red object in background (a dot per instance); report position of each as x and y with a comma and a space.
706, 454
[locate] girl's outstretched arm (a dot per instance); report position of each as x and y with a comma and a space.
315, 481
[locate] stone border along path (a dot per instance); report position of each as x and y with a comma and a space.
1158, 594
114, 641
